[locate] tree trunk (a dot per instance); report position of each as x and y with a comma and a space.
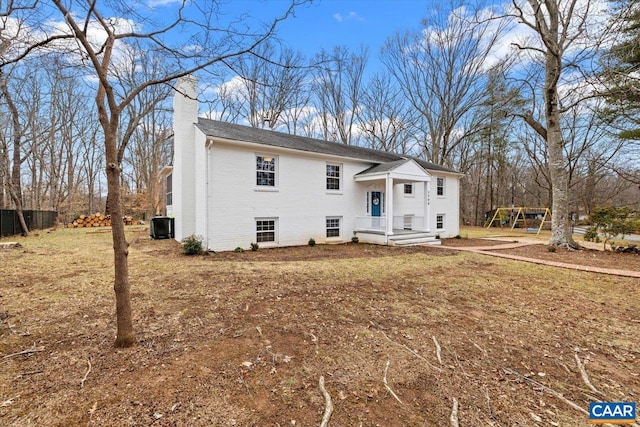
108, 208
125, 336
17, 201
15, 184
548, 26
561, 233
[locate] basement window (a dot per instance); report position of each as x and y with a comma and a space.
333, 226
265, 230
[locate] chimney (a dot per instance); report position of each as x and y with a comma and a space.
185, 116
185, 102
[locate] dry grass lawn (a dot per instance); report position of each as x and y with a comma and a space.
242, 339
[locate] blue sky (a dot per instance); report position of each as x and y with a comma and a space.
329, 23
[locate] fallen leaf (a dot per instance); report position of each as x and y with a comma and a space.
535, 417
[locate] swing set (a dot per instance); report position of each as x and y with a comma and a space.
533, 220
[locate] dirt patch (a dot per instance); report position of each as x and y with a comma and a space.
242, 339
475, 242
324, 252
584, 256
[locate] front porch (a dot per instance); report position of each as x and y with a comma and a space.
406, 230
397, 213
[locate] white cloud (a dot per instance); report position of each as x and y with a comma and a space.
192, 48
517, 37
493, 32
23, 35
594, 27
152, 4
234, 87
213, 115
350, 16
9, 28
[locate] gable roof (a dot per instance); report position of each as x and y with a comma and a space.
383, 167
402, 171
235, 132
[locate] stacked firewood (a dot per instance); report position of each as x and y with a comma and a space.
93, 220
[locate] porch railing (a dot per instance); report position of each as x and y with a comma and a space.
371, 223
408, 222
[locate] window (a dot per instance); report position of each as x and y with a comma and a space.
265, 171
265, 230
440, 222
408, 189
333, 226
169, 190
440, 187
408, 222
333, 177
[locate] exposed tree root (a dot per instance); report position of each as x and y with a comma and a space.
86, 373
571, 245
454, 414
478, 347
412, 352
384, 379
328, 403
585, 376
31, 350
438, 349
547, 389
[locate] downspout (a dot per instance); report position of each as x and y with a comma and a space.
386, 202
389, 206
206, 192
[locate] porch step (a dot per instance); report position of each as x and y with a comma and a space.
413, 239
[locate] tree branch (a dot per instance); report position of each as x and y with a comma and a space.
533, 123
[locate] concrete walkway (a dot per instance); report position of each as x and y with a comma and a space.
488, 250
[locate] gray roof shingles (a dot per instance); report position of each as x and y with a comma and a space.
235, 132
383, 167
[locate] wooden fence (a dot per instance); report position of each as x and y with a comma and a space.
10, 226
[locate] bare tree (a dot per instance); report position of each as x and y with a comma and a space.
442, 71
135, 67
91, 166
271, 83
148, 130
186, 40
4, 164
228, 102
559, 25
67, 147
485, 154
297, 119
13, 141
385, 119
338, 88
52, 156
589, 149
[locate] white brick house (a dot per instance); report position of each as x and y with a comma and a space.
234, 185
